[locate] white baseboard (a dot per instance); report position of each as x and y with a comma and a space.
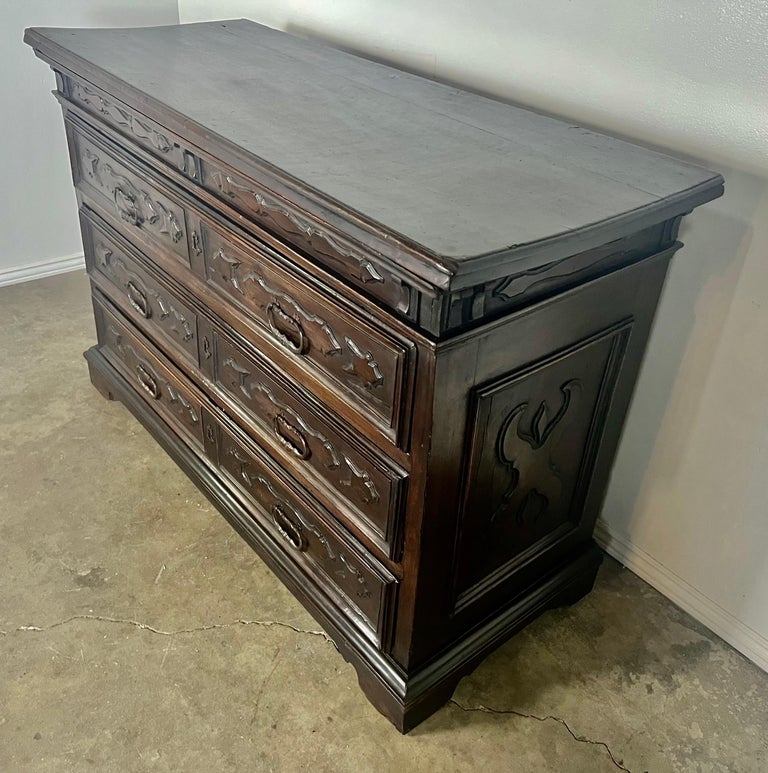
740, 636
12, 276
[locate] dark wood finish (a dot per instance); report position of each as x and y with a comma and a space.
368, 484
141, 297
318, 337
361, 587
360, 360
137, 203
363, 484
391, 329
146, 371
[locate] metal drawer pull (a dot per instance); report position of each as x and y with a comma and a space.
138, 299
148, 381
291, 532
291, 437
127, 206
275, 313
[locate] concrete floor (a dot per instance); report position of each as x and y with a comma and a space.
137, 631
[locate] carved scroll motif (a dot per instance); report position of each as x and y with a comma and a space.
132, 358
135, 206
536, 433
361, 363
233, 276
248, 385
121, 117
116, 268
252, 479
294, 224
335, 460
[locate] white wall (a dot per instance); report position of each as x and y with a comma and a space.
687, 505
38, 215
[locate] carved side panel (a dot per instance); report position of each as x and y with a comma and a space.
534, 436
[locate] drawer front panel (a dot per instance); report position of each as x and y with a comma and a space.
310, 236
369, 367
137, 127
366, 485
144, 300
147, 213
336, 566
165, 392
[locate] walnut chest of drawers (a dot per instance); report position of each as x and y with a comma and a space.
390, 328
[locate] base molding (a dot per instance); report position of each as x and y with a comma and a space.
431, 685
721, 622
12, 276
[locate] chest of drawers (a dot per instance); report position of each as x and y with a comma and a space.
390, 328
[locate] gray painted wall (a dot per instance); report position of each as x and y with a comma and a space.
38, 215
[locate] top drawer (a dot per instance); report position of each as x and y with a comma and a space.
137, 202
301, 231
152, 137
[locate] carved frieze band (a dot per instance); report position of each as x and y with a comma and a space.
139, 127
474, 303
290, 222
120, 116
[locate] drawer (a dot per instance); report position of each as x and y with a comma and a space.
359, 585
153, 379
289, 227
154, 308
307, 234
367, 365
149, 215
137, 127
357, 476
356, 479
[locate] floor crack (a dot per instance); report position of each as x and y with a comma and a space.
160, 632
549, 717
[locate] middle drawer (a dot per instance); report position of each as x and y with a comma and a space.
357, 478
362, 479
312, 330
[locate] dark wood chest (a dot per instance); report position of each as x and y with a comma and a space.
390, 328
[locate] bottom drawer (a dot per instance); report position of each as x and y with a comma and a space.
153, 379
361, 586
331, 559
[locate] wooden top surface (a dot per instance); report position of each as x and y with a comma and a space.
464, 176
